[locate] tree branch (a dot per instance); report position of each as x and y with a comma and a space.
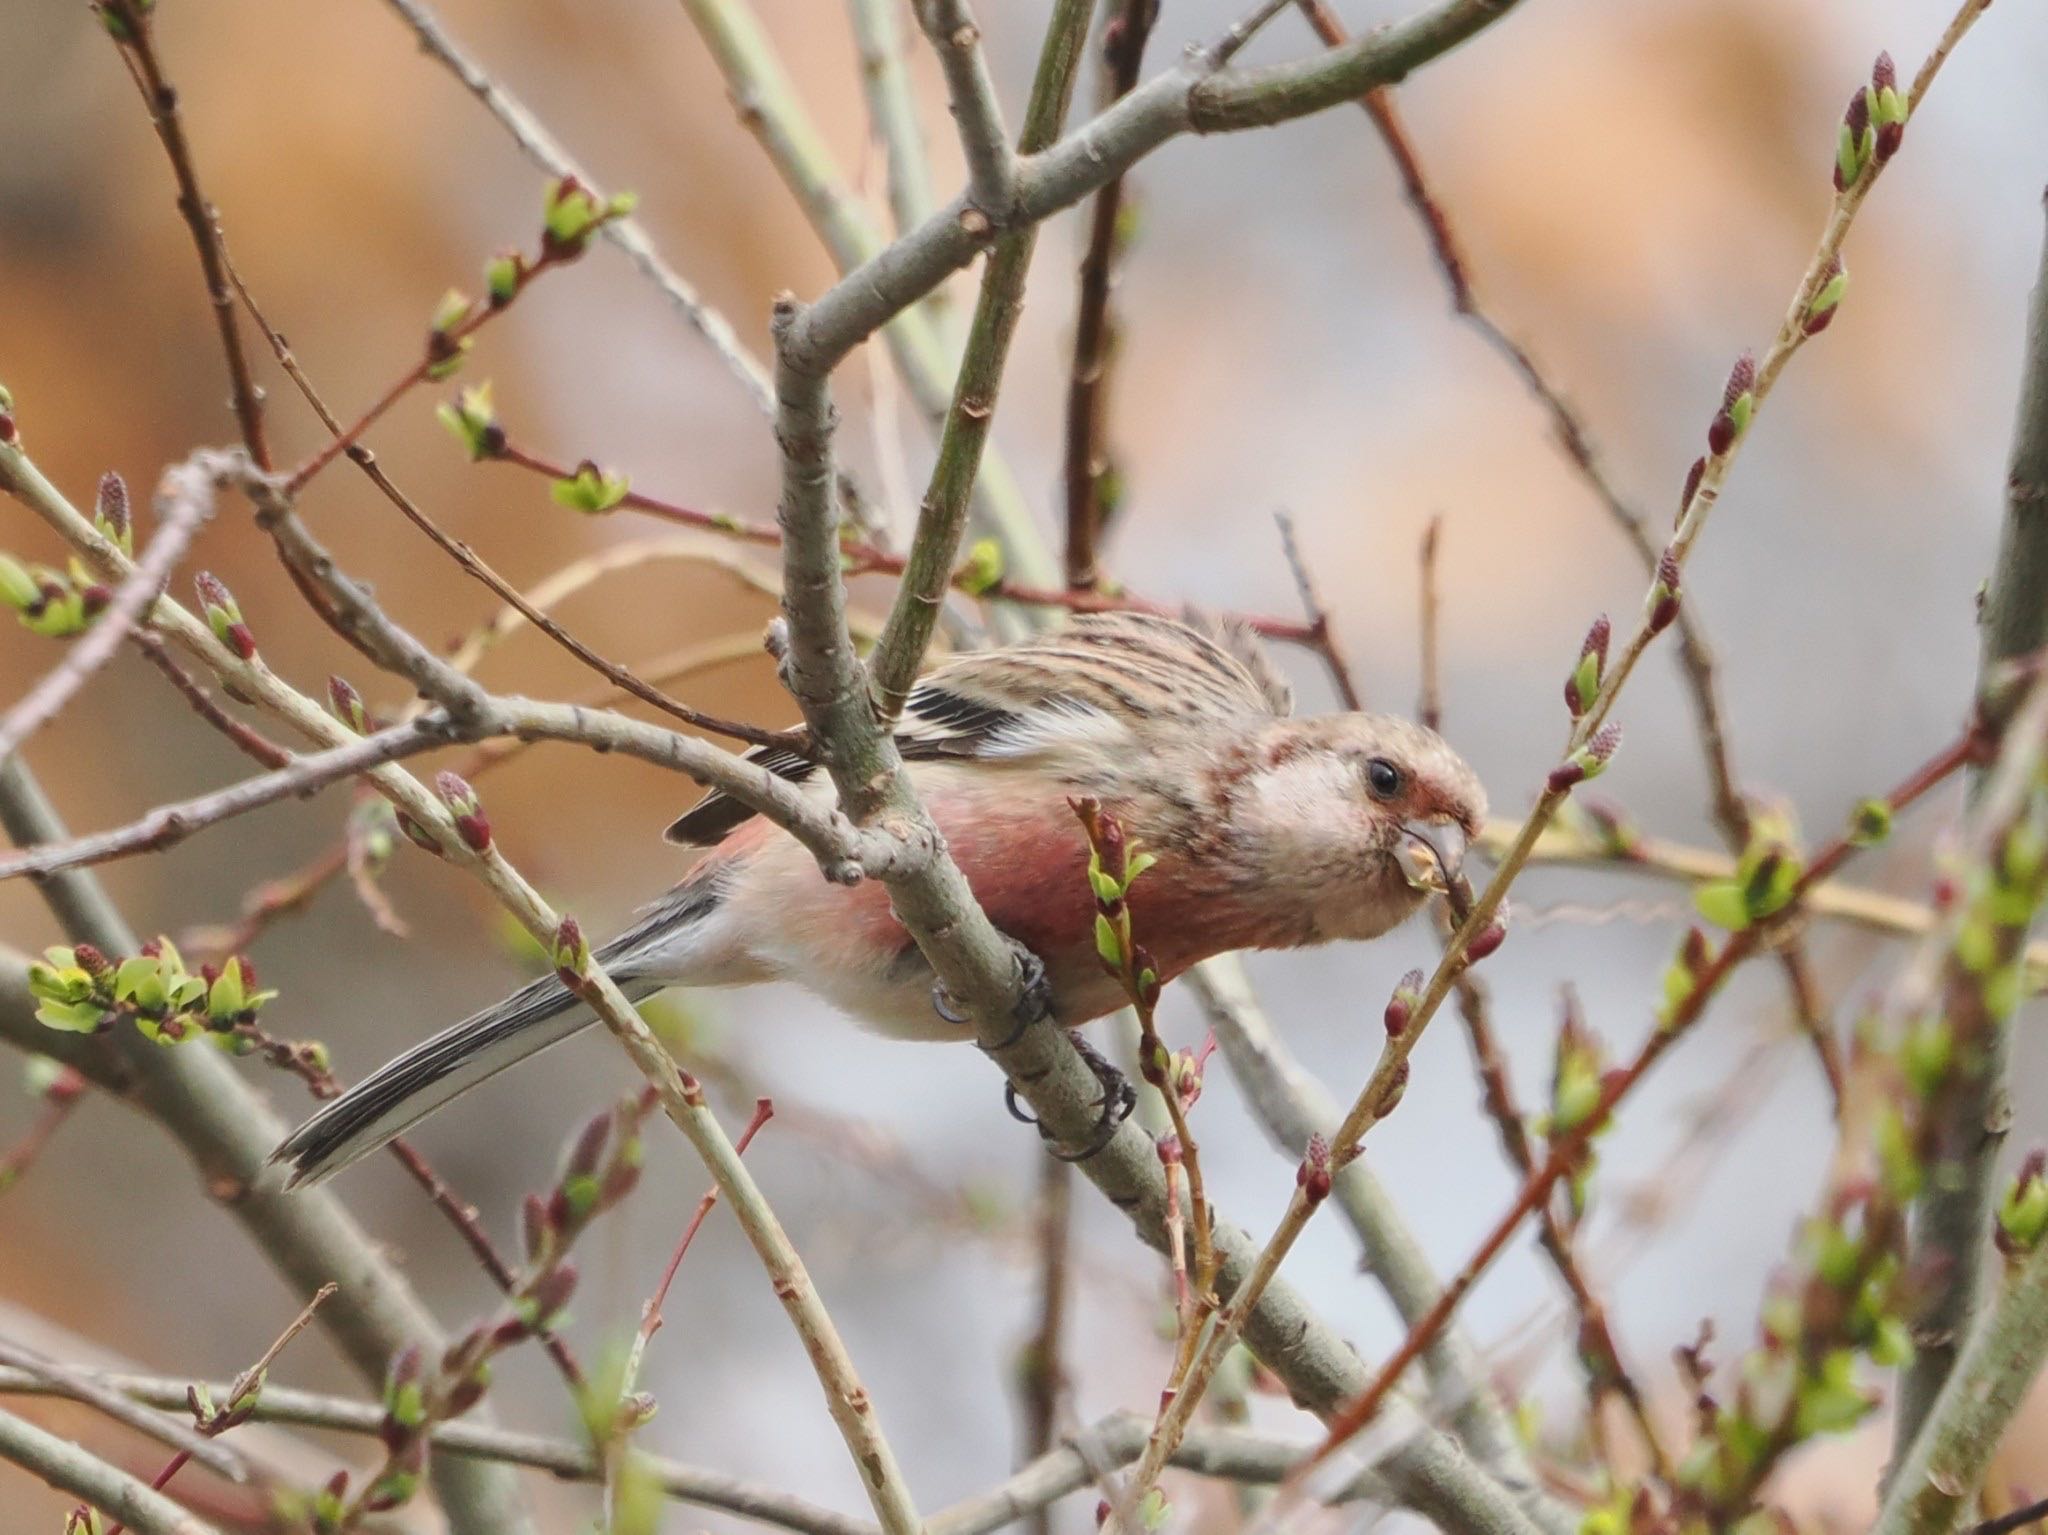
114, 1493
984, 141
1952, 1219
227, 1129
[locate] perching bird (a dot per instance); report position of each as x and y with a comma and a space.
1270, 832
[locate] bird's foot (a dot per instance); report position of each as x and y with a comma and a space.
1034, 1001
1119, 1098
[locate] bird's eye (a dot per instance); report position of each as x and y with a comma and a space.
1383, 778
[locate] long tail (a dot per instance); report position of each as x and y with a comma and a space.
397, 1096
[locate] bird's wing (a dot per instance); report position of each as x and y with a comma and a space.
1100, 679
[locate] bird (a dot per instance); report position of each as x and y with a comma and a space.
1270, 830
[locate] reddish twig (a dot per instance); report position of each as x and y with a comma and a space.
138, 49
1596, 1337
1320, 637
248, 740
864, 559
1042, 1368
468, 1224
1088, 468
60, 1097
211, 1420
650, 1314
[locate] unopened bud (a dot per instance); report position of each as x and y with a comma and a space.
471, 824
347, 705
1662, 607
1820, 311
419, 836
1855, 142
1738, 401
534, 1226
2023, 1213
1888, 109
1588, 761
1486, 941
502, 275
110, 513
1390, 1096
1583, 685
1693, 476
223, 616
587, 1150
1313, 1176
1401, 1006
571, 952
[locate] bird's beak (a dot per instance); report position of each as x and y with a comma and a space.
1432, 853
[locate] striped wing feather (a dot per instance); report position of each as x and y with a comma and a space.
1008, 703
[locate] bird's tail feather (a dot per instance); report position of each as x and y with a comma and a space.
390, 1101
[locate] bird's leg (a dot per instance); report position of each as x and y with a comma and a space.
1035, 1005
1034, 1000
1119, 1098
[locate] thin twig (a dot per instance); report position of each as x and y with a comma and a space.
1430, 708
217, 1418
892, 111
1041, 1368
59, 1098
160, 97
250, 741
898, 656
1322, 638
168, 1431
984, 141
179, 519
1366, 1108
65, 1465
1088, 471
863, 558
1567, 1150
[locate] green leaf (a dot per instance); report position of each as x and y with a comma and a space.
1107, 943
70, 1017
1722, 903
590, 489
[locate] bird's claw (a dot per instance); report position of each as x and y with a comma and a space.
1119, 1098
1034, 1001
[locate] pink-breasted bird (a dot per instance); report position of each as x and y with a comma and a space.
1270, 831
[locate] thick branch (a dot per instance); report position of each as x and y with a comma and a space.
228, 1130
113, 1492
1952, 1219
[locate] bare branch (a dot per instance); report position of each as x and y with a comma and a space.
184, 502
115, 1493
956, 38
1952, 1217
892, 111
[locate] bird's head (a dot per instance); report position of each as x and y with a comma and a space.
1358, 816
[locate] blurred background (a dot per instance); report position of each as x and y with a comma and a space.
1637, 189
